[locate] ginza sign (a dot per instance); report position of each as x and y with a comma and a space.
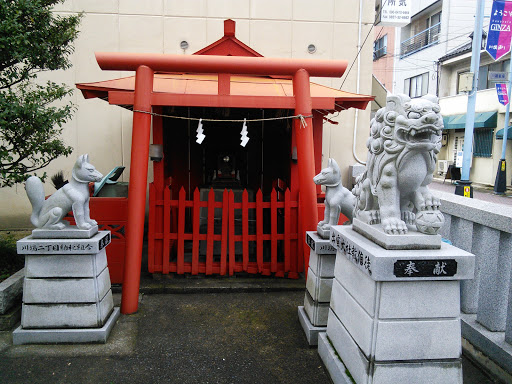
498, 38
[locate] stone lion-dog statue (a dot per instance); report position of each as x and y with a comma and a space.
405, 138
337, 198
73, 196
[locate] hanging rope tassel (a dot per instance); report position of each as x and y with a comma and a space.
244, 138
200, 136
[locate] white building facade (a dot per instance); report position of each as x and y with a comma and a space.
436, 27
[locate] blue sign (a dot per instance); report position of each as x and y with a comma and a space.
501, 89
500, 33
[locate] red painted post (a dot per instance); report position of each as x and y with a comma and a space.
231, 236
137, 188
181, 232
210, 232
305, 154
317, 137
224, 241
273, 231
245, 229
259, 230
151, 229
287, 229
167, 231
195, 228
155, 245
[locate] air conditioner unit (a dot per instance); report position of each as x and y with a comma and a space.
442, 166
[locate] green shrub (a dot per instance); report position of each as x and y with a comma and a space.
10, 262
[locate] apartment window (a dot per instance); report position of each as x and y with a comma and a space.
380, 47
483, 142
433, 20
416, 86
459, 83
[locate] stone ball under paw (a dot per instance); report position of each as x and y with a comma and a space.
429, 222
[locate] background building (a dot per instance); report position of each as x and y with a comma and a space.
326, 29
432, 54
436, 28
384, 55
489, 116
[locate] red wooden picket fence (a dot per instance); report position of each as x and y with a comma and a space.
256, 237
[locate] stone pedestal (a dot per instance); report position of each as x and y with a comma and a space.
394, 315
313, 315
66, 294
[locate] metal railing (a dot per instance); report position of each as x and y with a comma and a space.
422, 40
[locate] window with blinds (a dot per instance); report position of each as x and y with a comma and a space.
482, 143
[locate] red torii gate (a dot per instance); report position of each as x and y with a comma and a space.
145, 66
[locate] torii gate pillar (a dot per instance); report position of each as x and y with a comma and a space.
305, 155
137, 188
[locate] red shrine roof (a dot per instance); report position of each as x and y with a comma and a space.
118, 91
228, 45
181, 89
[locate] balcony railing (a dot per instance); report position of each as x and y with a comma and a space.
420, 41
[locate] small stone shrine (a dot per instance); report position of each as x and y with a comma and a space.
394, 312
313, 315
67, 296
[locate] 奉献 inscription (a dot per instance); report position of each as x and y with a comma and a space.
425, 268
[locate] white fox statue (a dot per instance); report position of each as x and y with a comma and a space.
73, 196
337, 198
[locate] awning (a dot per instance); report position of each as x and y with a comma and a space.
202, 90
499, 134
482, 120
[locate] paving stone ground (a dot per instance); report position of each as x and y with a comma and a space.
480, 192
235, 337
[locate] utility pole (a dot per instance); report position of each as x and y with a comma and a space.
500, 184
463, 186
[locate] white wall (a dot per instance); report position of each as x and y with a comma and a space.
281, 28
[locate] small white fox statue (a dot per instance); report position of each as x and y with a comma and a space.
74, 196
337, 197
